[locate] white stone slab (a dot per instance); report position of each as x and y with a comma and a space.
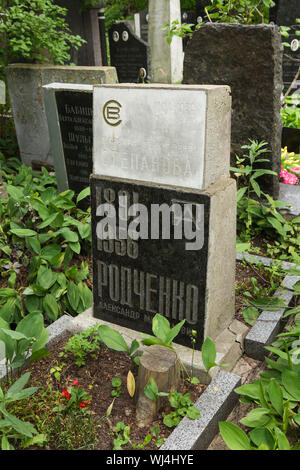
165, 134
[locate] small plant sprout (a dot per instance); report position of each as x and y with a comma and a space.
116, 384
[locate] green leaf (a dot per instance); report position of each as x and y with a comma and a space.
209, 353
23, 232
283, 443
50, 251
193, 412
276, 396
34, 244
174, 332
291, 382
18, 385
45, 277
73, 295
32, 325
51, 307
112, 338
26, 429
262, 436
234, 437
256, 417
84, 193
250, 315
161, 327
68, 235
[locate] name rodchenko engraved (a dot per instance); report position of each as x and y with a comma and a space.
136, 278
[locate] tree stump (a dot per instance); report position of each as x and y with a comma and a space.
161, 364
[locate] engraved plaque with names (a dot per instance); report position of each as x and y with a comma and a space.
75, 114
134, 279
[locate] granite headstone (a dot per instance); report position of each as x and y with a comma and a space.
135, 279
155, 144
284, 14
249, 60
128, 53
69, 110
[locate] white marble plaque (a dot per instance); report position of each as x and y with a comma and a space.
153, 134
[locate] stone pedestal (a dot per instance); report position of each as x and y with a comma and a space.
166, 59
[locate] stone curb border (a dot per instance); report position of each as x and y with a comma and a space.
215, 404
269, 323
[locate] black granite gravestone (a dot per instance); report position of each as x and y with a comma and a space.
144, 25
285, 13
75, 114
128, 53
235, 55
134, 280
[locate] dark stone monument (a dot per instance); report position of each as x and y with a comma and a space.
128, 53
75, 114
85, 24
134, 280
249, 60
285, 13
144, 25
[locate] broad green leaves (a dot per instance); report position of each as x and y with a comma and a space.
164, 334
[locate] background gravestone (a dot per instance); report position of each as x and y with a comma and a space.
284, 14
128, 53
2, 92
249, 60
69, 110
84, 23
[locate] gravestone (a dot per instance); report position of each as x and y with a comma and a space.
166, 59
128, 53
2, 92
85, 23
188, 17
141, 25
249, 60
284, 14
134, 280
155, 157
69, 110
180, 135
25, 82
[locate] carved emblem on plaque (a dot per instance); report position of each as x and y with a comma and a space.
111, 113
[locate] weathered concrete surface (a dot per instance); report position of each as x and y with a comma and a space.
249, 60
25, 82
166, 59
